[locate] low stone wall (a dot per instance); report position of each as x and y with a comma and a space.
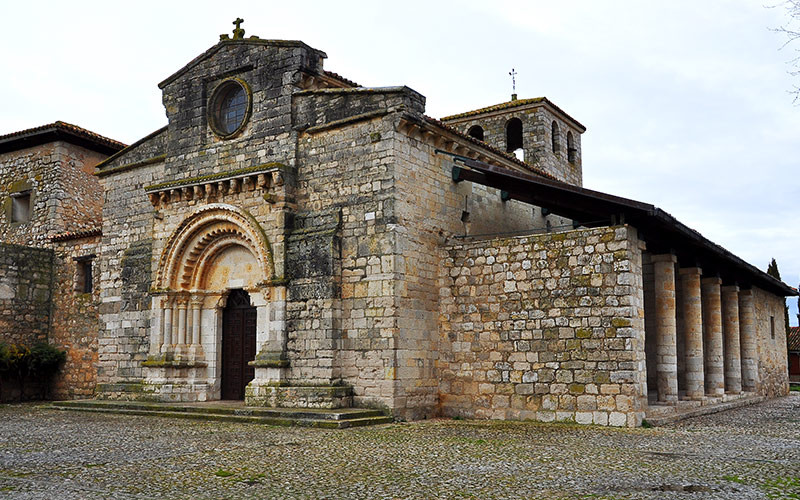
546, 327
26, 274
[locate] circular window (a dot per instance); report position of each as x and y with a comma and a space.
230, 108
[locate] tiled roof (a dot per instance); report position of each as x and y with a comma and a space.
794, 338
513, 104
54, 131
493, 149
339, 77
74, 235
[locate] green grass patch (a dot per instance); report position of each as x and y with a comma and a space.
223, 473
782, 488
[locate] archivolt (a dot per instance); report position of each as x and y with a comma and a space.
202, 236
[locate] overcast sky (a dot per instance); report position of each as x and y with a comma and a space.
686, 103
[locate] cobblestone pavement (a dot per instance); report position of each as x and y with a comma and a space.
752, 452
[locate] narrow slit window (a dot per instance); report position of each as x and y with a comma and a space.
555, 136
772, 327
572, 151
84, 275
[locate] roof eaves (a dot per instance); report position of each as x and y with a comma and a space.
59, 131
514, 104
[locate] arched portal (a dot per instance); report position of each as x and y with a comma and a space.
217, 259
203, 240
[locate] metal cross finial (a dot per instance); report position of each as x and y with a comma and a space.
513, 75
238, 33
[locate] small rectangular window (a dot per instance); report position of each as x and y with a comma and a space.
21, 207
772, 327
83, 274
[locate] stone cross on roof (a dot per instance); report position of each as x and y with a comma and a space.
238, 32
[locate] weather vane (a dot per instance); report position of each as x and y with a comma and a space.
513, 75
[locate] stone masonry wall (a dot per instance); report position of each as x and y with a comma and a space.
349, 170
124, 274
429, 214
545, 327
76, 317
64, 194
25, 293
773, 371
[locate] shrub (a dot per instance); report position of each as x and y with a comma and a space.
32, 366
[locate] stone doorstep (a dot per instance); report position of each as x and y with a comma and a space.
234, 412
662, 414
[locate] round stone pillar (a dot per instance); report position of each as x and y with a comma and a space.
692, 313
666, 332
712, 337
747, 332
730, 328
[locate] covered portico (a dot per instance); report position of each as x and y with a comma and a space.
704, 308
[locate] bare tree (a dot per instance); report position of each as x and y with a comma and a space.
791, 29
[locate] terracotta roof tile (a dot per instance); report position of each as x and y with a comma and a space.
793, 339
339, 77
513, 104
74, 235
27, 137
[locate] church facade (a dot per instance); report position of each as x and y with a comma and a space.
291, 238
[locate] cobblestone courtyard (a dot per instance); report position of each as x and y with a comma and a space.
752, 452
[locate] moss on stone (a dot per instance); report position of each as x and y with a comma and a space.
218, 176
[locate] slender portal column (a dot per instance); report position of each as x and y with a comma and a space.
167, 325
196, 320
666, 333
730, 327
159, 341
712, 336
747, 330
692, 313
181, 322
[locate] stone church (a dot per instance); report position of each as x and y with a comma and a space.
294, 239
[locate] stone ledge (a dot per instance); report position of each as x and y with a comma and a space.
269, 363
176, 363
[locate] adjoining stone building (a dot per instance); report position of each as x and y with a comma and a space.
49, 237
291, 238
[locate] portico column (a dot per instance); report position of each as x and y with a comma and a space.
747, 331
730, 327
712, 336
692, 313
666, 333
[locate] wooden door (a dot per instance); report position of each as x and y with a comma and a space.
238, 344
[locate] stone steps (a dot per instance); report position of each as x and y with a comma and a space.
341, 418
657, 415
